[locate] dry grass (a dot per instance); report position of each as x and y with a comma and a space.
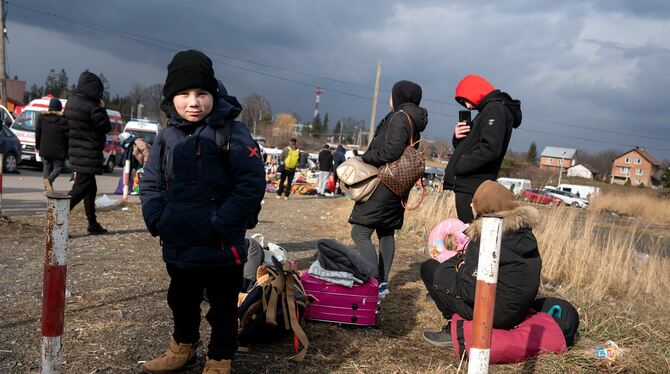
596, 261
643, 205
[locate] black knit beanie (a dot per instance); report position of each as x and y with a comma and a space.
55, 105
189, 69
405, 92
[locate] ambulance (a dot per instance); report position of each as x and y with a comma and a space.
24, 128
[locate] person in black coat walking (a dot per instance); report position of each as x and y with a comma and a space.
383, 211
479, 148
51, 142
452, 284
325, 168
88, 124
199, 198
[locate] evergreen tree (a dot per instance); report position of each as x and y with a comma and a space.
317, 126
665, 178
105, 84
324, 126
531, 156
51, 84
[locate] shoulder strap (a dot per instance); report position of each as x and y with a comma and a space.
222, 137
162, 182
410, 141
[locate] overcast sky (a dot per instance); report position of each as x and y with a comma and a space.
574, 65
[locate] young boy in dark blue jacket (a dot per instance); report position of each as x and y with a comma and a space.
198, 198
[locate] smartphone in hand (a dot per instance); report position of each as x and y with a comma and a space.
464, 116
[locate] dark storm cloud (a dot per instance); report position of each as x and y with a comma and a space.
548, 54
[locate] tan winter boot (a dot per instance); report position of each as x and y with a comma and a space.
178, 357
47, 186
217, 366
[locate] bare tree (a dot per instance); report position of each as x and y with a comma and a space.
256, 110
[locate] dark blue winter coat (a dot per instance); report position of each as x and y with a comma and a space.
196, 199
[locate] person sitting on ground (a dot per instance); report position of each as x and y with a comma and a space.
451, 284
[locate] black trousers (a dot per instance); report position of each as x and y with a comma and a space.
447, 304
463, 209
51, 168
286, 176
84, 188
362, 236
185, 295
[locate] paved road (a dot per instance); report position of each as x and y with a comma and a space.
23, 193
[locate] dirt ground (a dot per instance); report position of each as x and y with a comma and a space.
117, 316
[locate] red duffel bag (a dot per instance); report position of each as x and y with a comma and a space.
538, 333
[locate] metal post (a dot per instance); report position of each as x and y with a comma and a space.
374, 102
126, 179
55, 271
485, 294
3, 58
560, 173
1, 167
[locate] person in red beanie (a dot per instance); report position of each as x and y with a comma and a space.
479, 148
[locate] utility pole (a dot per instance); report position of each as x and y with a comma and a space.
3, 67
374, 102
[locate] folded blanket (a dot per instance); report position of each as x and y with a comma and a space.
341, 278
338, 257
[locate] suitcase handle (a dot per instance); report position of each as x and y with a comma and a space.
354, 306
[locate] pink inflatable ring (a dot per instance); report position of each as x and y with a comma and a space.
447, 239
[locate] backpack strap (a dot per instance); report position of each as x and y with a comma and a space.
460, 336
299, 336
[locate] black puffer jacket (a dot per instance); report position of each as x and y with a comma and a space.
88, 123
384, 208
479, 156
519, 268
51, 135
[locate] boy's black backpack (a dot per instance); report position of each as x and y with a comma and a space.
222, 139
563, 312
275, 305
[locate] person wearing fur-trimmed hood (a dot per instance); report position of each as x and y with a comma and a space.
452, 284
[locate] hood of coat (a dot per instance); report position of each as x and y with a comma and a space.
90, 85
405, 92
472, 88
418, 114
522, 217
340, 149
225, 108
52, 113
514, 106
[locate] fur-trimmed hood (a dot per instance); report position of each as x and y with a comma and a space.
522, 217
52, 113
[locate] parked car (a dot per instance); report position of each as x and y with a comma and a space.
540, 196
568, 197
516, 185
143, 128
10, 147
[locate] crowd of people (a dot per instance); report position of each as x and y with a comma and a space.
205, 177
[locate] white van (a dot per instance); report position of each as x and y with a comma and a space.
516, 185
585, 192
143, 128
24, 128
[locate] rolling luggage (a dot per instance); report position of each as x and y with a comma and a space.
340, 304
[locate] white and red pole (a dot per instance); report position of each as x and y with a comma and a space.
53, 291
485, 294
126, 179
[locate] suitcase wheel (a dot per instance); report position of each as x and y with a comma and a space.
354, 319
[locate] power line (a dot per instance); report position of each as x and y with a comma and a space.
172, 46
587, 139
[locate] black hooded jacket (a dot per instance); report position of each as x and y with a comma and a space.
51, 135
520, 266
384, 208
479, 155
88, 124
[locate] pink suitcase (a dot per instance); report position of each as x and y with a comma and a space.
340, 304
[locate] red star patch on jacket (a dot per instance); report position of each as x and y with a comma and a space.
253, 152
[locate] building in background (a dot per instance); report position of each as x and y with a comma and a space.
15, 90
583, 170
636, 165
553, 157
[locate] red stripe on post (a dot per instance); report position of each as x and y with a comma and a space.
53, 300
482, 321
